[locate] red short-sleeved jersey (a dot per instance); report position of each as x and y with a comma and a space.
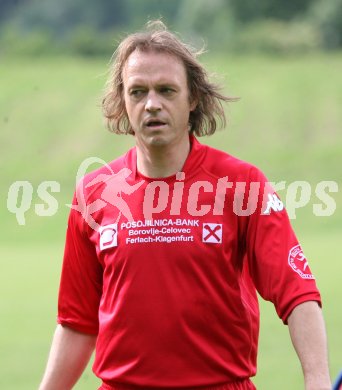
165, 271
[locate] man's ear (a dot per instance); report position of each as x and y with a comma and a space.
193, 104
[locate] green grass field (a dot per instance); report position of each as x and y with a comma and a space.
288, 122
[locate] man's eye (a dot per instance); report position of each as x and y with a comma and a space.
136, 92
166, 90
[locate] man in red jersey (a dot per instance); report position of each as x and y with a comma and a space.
162, 275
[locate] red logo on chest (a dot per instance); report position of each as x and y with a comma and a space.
212, 233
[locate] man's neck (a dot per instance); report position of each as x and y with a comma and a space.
162, 161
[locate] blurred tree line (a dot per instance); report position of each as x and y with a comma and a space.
88, 27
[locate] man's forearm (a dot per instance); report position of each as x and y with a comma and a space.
69, 355
307, 330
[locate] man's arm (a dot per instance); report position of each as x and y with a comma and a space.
69, 355
307, 330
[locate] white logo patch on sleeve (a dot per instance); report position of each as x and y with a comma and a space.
273, 203
298, 263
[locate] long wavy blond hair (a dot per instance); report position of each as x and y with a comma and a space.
156, 37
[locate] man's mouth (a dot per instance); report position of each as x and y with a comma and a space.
154, 123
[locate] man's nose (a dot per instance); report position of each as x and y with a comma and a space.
153, 102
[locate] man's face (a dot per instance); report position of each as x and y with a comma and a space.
157, 98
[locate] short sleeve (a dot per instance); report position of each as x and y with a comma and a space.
276, 261
81, 279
